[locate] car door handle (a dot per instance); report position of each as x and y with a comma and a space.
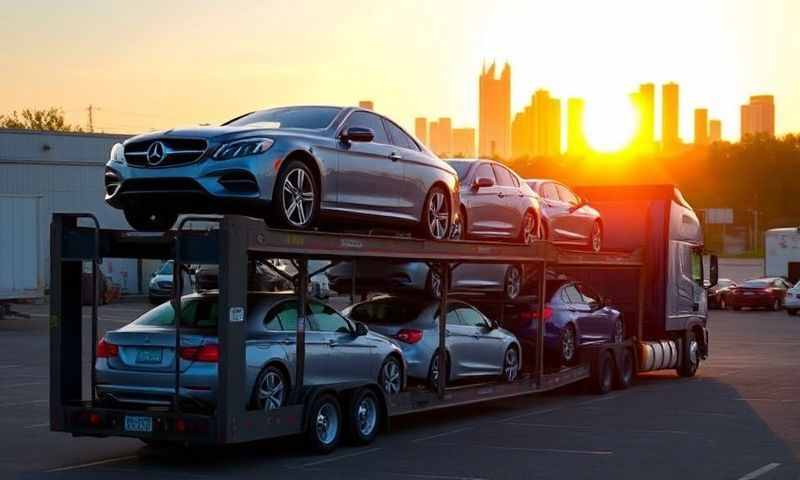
395, 156
501, 194
332, 343
288, 342
448, 333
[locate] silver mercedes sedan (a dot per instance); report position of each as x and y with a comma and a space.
475, 345
136, 363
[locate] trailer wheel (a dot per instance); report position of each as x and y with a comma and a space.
364, 417
324, 424
603, 375
625, 371
690, 356
434, 369
511, 365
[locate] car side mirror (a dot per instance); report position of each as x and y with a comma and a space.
361, 329
358, 134
713, 271
482, 182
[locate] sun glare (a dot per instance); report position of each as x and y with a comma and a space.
609, 124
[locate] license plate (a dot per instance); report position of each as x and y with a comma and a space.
138, 424
148, 355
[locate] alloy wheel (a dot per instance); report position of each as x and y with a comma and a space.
511, 365
271, 392
568, 344
391, 377
529, 229
435, 284
513, 283
457, 229
366, 416
327, 424
438, 215
597, 237
298, 197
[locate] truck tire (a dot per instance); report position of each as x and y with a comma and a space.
324, 424
626, 370
364, 417
603, 374
690, 356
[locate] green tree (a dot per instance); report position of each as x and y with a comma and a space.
51, 119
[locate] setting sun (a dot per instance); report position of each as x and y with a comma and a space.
609, 123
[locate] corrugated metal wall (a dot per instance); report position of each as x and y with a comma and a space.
67, 171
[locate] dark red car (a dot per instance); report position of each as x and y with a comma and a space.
759, 293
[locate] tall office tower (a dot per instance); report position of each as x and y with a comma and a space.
421, 129
700, 126
554, 128
366, 104
545, 124
714, 131
494, 113
464, 142
576, 136
434, 138
647, 102
670, 113
445, 135
758, 117
521, 135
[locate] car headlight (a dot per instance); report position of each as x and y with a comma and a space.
243, 148
153, 282
117, 154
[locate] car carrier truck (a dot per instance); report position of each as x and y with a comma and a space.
657, 278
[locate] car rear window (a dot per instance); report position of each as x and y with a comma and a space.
756, 284
386, 312
195, 313
461, 167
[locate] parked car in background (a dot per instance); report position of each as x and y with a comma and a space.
293, 166
475, 346
574, 315
768, 292
391, 277
718, 294
496, 204
160, 287
792, 302
136, 363
261, 278
566, 217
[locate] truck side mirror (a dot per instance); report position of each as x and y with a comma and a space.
713, 271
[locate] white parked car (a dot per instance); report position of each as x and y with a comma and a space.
792, 301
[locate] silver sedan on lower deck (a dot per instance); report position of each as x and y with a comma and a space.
136, 363
475, 346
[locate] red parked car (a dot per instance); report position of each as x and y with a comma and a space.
759, 293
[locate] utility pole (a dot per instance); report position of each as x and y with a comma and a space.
91, 121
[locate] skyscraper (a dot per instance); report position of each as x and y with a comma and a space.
576, 136
647, 103
494, 112
520, 135
445, 136
714, 131
758, 117
700, 126
421, 129
554, 128
366, 104
537, 129
433, 138
670, 112
463, 142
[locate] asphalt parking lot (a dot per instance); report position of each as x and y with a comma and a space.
739, 418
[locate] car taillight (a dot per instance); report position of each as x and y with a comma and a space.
409, 335
531, 315
106, 350
204, 353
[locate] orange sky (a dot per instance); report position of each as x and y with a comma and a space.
157, 64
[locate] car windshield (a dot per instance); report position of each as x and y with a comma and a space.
390, 311
165, 269
461, 167
309, 118
724, 282
756, 284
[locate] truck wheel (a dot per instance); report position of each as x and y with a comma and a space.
690, 356
625, 371
324, 424
364, 417
603, 375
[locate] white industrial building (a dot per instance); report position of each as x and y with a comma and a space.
65, 171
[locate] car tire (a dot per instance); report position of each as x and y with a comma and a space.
619, 331
364, 417
690, 356
723, 305
150, 221
791, 311
433, 371
324, 430
545, 231
626, 370
512, 283
437, 216
270, 390
511, 364
296, 199
776, 305
569, 345
529, 229
603, 374
596, 237
390, 377
458, 230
